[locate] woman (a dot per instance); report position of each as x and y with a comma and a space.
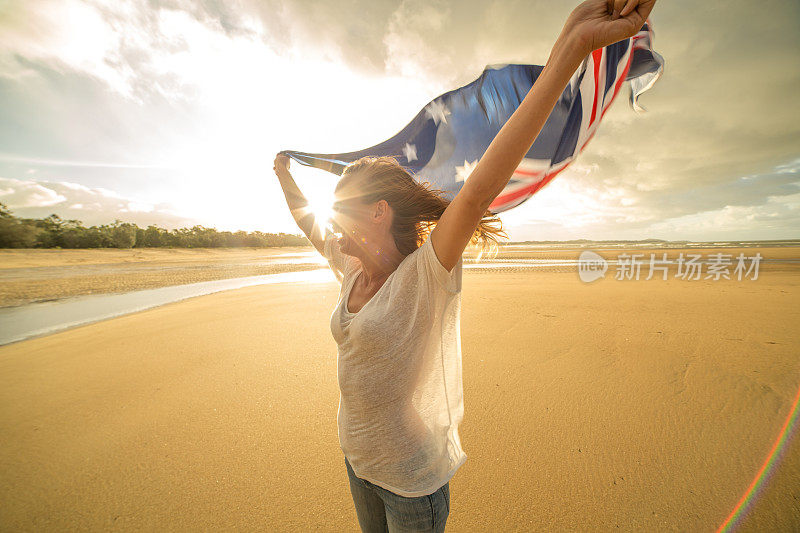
397, 321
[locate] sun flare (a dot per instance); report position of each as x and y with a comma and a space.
320, 203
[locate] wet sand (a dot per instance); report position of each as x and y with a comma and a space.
616, 405
30, 275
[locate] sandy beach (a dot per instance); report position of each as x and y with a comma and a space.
614, 405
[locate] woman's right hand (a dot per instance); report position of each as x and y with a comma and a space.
281, 167
595, 24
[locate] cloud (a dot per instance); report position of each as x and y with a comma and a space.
92, 206
28, 194
581, 206
70, 34
778, 218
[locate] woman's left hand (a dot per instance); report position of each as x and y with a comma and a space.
281, 166
598, 23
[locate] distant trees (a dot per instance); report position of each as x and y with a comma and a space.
55, 232
13, 233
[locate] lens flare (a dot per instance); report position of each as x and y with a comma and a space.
766, 469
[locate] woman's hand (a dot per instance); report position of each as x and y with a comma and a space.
281, 167
598, 23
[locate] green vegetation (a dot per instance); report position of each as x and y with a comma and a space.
54, 232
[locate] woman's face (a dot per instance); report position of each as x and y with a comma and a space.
350, 220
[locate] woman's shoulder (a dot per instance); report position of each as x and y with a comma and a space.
432, 271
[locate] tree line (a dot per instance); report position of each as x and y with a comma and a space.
55, 232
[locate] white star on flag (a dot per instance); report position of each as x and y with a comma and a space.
463, 172
410, 151
437, 111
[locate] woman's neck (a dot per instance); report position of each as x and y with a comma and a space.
379, 261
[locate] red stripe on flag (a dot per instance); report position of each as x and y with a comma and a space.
619, 82
616, 90
510, 197
589, 138
522, 172
596, 56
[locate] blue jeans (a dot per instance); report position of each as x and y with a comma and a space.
380, 510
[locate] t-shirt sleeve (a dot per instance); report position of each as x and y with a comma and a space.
339, 262
435, 270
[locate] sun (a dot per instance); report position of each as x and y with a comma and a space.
320, 203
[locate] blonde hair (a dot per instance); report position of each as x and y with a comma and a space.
416, 205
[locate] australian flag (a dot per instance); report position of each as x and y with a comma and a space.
444, 142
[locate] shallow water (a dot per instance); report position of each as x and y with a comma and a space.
44, 318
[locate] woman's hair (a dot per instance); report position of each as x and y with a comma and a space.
416, 205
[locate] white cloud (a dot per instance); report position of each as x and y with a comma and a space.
65, 32
732, 221
20, 193
138, 207
93, 206
410, 50
792, 167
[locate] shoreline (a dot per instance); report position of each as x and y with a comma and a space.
31, 276
20, 293
46, 318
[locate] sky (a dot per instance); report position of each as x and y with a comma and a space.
171, 112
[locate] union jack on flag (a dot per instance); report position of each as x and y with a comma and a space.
444, 142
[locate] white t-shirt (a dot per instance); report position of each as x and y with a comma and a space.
399, 368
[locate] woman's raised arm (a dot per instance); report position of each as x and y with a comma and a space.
592, 25
297, 202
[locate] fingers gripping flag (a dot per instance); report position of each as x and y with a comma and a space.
444, 142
